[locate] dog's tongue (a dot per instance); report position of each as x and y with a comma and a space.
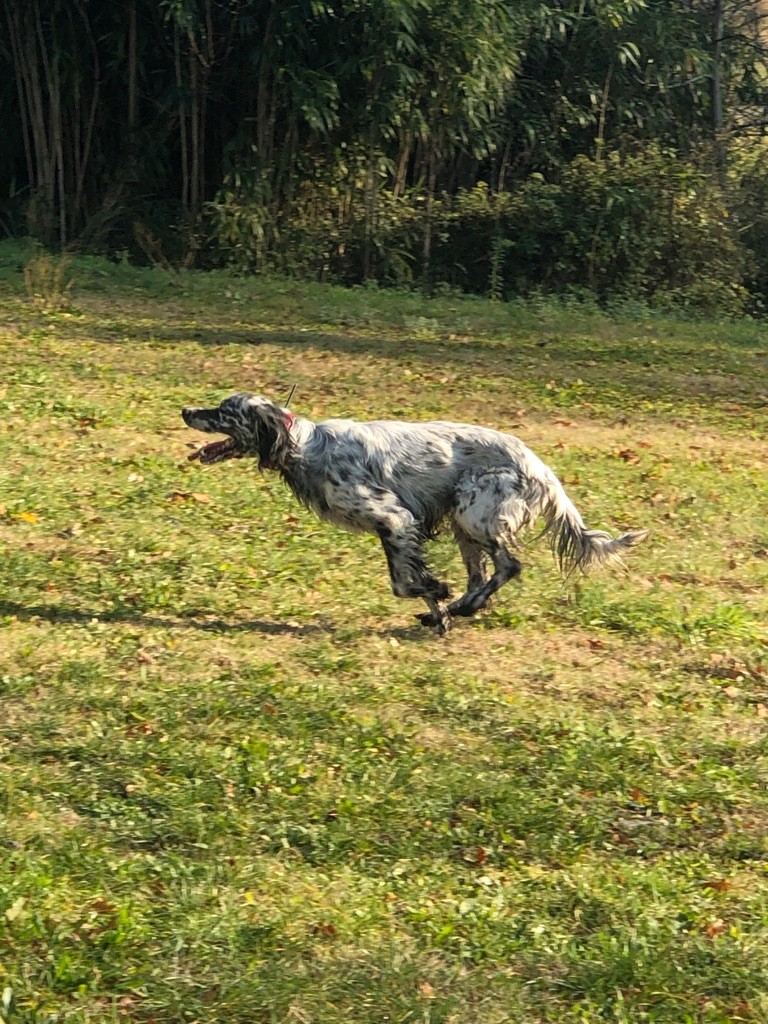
213, 451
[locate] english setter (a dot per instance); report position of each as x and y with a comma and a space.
401, 480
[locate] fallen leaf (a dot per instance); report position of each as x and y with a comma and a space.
15, 909
716, 928
204, 499
627, 454
622, 840
426, 990
731, 691
718, 884
102, 906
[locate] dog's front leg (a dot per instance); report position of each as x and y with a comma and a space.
437, 616
411, 577
364, 507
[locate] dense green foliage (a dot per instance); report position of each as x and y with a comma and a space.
499, 146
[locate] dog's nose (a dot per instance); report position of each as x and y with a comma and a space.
187, 414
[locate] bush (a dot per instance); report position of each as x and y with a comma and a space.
337, 226
48, 279
647, 227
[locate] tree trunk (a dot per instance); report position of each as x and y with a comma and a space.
721, 151
600, 140
25, 106
370, 209
185, 196
264, 120
84, 149
33, 53
194, 128
132, 69
504, 165
401, 175
427, 249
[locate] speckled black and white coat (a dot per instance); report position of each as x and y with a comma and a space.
400, 481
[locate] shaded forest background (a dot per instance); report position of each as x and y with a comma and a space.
610, 148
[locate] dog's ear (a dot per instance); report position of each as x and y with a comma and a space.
274, 438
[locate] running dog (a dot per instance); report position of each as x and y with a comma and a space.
400, 481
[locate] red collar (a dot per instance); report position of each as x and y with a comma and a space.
290, 419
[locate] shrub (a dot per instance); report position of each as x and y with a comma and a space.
48, 280
645, 226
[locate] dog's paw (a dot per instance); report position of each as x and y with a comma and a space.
441, 626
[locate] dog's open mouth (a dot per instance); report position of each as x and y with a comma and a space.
216, 451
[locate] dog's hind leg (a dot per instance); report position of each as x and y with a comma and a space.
490, 510
488, 513
474, 557
507, 568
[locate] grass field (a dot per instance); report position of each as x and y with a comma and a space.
239, 783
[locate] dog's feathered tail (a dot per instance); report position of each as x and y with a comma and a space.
573, 545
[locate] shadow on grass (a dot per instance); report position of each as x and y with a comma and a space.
649, 375
64, 614
300, 340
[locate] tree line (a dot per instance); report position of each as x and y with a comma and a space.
611, 147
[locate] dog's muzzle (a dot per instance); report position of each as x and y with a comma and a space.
217, 451
199, 419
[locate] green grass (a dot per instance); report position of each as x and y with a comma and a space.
238, 783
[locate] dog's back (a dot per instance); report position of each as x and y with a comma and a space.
420, 462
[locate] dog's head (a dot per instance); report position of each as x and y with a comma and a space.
254, 427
